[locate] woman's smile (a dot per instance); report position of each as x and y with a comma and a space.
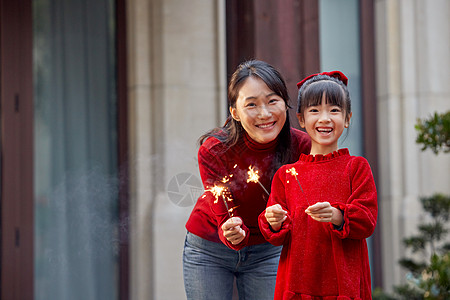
266, 125
261, 112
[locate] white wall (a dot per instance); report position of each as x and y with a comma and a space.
412, 39
177, 91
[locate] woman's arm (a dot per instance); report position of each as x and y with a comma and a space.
232, 233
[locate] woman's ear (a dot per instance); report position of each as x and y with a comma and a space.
234, 113
300, 120
347, 122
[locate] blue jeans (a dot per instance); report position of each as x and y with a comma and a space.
210, 268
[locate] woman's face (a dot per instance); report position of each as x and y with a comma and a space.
261, 112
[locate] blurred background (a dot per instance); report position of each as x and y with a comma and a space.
102, 103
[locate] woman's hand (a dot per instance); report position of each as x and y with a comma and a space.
232, 230
275, 216
324, 212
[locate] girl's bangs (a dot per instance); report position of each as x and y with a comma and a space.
333, 94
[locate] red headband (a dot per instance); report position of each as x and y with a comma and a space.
336, 74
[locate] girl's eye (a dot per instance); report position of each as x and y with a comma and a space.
336, 109
313, 110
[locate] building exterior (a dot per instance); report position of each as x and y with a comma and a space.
102, 103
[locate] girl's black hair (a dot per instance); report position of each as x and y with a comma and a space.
336, 92
232, 131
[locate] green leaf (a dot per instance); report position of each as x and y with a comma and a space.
415, 242
414, 267
434, 132
438, 205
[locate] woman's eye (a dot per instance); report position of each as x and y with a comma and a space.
250, 105
273, 100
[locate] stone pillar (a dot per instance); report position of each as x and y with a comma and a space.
412, 58
177, 91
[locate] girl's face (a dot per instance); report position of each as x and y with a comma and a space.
324, 123
261, 112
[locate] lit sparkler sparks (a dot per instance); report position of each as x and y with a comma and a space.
294, 173
254, 177
220, 191
217, 191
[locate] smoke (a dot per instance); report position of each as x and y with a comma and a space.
78, 235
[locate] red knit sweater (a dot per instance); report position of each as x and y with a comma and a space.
217, 162
318, 261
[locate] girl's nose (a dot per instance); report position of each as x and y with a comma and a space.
324, 117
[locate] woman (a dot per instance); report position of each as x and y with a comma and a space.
224, 242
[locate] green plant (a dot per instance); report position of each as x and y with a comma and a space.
434, 132
429, 278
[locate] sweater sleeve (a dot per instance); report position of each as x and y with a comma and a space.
277, 196
212, 172
360, 211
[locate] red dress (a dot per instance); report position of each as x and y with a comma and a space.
216, 162
319, 261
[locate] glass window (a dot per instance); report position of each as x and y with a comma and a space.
75, 154
340, 50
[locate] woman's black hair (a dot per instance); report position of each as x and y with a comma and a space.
232, 131
312, 91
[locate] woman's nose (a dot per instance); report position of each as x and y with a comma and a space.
264, 112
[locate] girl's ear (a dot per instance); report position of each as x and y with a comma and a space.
300, 120
347, 122
234, 113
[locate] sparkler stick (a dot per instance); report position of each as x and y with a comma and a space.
254, 177
294, 173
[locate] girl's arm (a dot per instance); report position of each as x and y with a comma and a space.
360, 211
276, 236
212, 171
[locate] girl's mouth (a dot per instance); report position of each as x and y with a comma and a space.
324, 130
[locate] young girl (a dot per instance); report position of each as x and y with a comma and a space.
223, 242
323, 207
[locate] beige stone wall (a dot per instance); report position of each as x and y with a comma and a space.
412, 39
177, 91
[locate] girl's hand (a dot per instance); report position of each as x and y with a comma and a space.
232, 230
275, 216
324, 212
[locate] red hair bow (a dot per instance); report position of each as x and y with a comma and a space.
336, 74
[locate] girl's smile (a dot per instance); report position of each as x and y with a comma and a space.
261, 111
324, 123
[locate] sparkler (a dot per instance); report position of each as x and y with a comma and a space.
220, 191
294, 173
254, 177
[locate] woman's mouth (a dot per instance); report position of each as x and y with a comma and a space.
266, 125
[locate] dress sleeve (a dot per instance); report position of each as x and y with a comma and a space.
213, 171
277, 196
360, 211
